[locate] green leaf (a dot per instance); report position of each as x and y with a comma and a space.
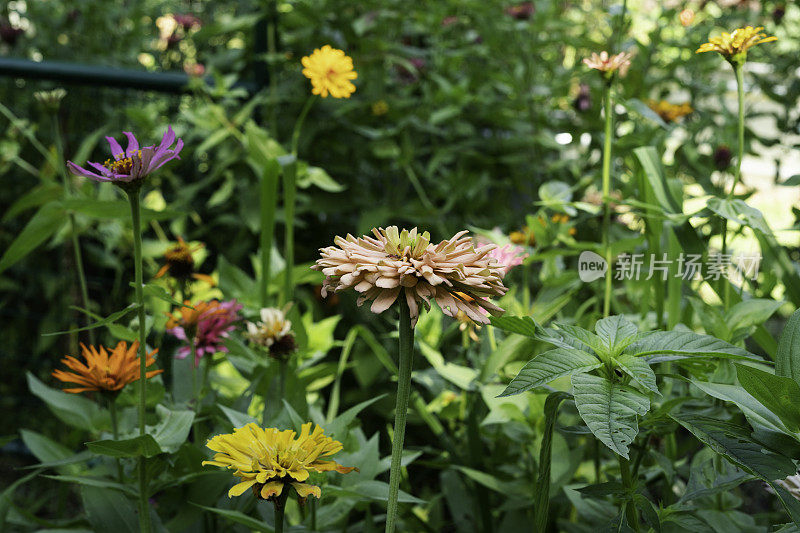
45, 449
617, 332
108, 510
660, 346
524, 325
650, 160
791, 181
319, 178
582, 337
787, 361
160, 293
542, 489
370, 489
114, 209
638, 369
98, 482
173, 428
239, 518
7, 496
556, 195
46, 222
237, 418
337, 428
735, 444
739, 212
610, 410
110, 319
755, 412
779, 394
752, 312
143, 445
71, 409
550, 365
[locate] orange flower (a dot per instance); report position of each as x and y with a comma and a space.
179, 262
104, 372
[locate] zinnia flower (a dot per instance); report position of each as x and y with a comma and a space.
330, 72
670, 112
130, 167
609, 65
379, 267
273, 332
104, 372
269, 459
508, 256
734, 46
179, 263
208, 324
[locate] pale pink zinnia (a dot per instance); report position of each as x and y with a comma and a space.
509, 256
459, 276
607, 64
210, 322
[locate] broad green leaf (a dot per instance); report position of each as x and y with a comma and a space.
755, 412
45, 449
337, 428
160, 293
507, 488
319, 178
610, 410
638, 369
143, 445
108, 510
97, 482
739, 212
237, 418
735, 444
556, 195
617, 332
787, 362
239, 518
41, 194
110, 319
650, 160
779, 394
550, 365
71, 409
660, 346
114, 209
173, 428
752, 312
46, 222
706, 480
524, 325
370, 489
584, 337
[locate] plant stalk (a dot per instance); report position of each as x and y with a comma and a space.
609, 113
134, 199
406, 355
269, 200
112, 407
627, 481
280, 510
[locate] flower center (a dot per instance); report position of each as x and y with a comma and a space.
122, 166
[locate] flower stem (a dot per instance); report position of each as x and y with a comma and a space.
195, 391
112, 407
279, 504
630, 508
607, 109
133, 198
289, 199
76, 247
406, 355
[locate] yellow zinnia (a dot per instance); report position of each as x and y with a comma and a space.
269, 459
734, 46
330, 72
670, 112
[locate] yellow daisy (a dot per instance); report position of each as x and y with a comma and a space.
734, 46
267, 460
330, 72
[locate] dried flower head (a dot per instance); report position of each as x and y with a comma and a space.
104, 372
670, 112
273, 332
609, 65
179, 262
51, 100
130, 167
734, 46
330, 72
269, 459
207, 324
379, 267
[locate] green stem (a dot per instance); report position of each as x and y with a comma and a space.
76, 247
609, 113
627, 481
112, 407
406, 355
289, 199
347, 346
283, 365
269, 200
133, 198
195, 391
280, 509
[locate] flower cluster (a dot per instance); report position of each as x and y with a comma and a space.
206, 324
130, 167
273, 332
103, 372
269, 459
330, 71
392, 261
734, 46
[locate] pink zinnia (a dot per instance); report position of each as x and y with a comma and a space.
509, 256
211, 323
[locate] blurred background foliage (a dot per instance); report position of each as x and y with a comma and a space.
464, 108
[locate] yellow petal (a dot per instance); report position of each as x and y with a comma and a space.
239, 488
304, 490
273, 488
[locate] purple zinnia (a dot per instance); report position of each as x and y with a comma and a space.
131, 166
209, 324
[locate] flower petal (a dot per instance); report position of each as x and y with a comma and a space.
239, 488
